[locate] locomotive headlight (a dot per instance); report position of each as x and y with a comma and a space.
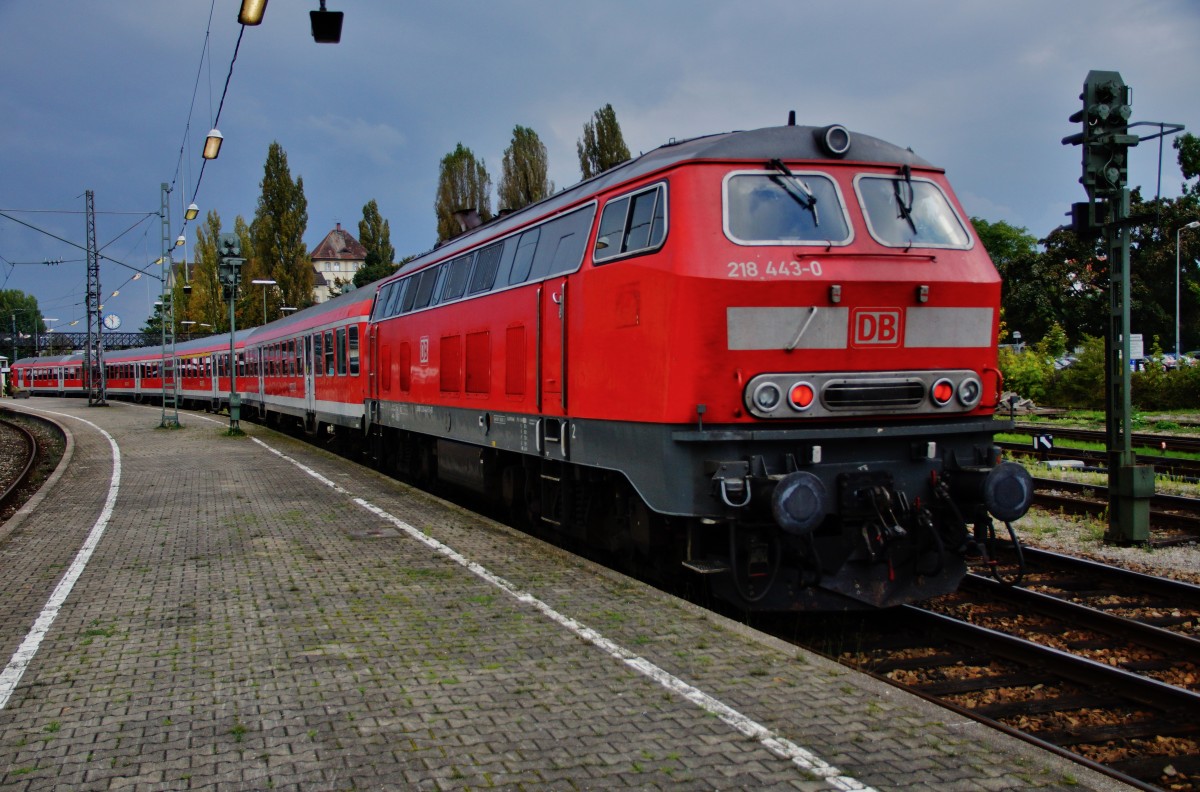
767, 396
969, 392
801, 396
942, 392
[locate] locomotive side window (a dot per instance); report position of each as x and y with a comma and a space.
907, 212
632, 224
409, 291
423, 293
523, 260
485, 268
456, 280
379, 310
772, 207
561, 246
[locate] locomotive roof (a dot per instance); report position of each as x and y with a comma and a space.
788, 143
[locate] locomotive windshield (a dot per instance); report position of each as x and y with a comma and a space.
907, 212
764, 208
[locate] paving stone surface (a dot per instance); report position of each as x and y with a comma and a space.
243, 625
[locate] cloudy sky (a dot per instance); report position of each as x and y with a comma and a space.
105, 96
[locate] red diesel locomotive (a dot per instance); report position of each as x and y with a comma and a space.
769, 356
766, 356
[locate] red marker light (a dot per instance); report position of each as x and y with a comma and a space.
802, 395
942, 392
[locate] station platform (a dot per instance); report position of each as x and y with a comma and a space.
188, 610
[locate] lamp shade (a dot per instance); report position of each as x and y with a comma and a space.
180, 240
252, 12
212, 144
191, 212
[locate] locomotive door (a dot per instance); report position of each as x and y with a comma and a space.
552, 369
552, 342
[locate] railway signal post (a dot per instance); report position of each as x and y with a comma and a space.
1105, 141
229, 272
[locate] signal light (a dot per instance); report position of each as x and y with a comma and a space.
802, 396
942, 392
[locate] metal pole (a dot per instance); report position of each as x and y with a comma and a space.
234, 406
1178, 277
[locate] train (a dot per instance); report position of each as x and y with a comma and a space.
765, 358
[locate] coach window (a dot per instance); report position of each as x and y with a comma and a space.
341, 351
318, 355
632, 224
907, 212
354, 350
456, 280
486, 266
328, 353
773, 207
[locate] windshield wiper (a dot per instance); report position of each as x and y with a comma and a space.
794, 186
905, 206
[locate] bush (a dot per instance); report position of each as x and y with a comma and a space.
1026, 373
1081, 385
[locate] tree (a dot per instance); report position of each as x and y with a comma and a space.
376, 237
19, 311
1152, 258
602, 145
523, 180
277, 232
1188, 146
206, 305
463, 184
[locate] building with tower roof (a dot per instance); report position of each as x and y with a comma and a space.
335, 260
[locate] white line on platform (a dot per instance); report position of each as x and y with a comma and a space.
25, 652
780, 746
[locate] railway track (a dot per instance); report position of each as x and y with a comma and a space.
1174, 519
1163, 443
1092, 662
20, 450
1163, 464
30, 448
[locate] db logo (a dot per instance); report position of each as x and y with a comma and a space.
877, 327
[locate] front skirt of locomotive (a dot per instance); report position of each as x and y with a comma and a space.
848, 518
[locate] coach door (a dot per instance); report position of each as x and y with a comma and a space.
310, 397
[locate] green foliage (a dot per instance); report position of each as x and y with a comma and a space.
1026, 373
602, 145
1081, 385
1188, 146
277, 233
376, 236
19, 311
523, 178
1054, 343
463, 184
